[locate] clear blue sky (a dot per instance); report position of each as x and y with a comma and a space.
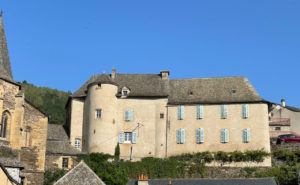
61, 43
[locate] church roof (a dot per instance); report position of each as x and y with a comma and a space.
179, 91
80, 175
5, 68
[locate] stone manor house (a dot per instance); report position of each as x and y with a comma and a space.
151, 115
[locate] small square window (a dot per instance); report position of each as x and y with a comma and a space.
65, 163
124, 93
277, 128
161, 115
98, 114
233, 91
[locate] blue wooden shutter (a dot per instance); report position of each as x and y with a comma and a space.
182, 112
224, 111
182, 137
222, 136
126, 117
178, 112
248, 135
198, 135
134, 137
199, 110
201, 135
245, 135
130, 115
120, 137
226, 136
247, 111
178, 134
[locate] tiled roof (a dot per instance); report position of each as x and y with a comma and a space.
258, 181
179, 91
80, 175
280, 122
58, 141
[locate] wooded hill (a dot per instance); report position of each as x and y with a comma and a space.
50, 101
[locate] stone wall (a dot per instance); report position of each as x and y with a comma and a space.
55, 162
287, 146
33, 178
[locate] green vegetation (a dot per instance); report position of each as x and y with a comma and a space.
50, 101
53, 175
117, 152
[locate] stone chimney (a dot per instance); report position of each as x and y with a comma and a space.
113, 73
165, 75
283, 102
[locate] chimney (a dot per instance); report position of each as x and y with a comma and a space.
283, 102
164, 75
113, 73
143, 180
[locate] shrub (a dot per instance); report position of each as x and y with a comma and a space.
53, 175
284, 175
290, 158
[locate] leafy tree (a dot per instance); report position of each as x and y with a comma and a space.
52, 176
50, 101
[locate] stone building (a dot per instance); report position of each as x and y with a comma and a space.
282, 112
23, 127
151, 115
59, 152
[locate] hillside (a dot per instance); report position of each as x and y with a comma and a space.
50, 101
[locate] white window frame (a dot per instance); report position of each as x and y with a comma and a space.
127, 137
77, 143
98, 113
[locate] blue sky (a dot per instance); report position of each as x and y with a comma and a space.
60, 44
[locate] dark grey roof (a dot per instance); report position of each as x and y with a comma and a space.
295, 109
5, 68
262, 181
56, 132
180, 91
58, 141
80, 175
60, 148
11, 179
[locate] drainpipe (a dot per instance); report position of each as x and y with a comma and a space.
167, 123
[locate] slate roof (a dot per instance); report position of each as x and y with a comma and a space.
5, 68
179, 91
58, 141
11, 179
9, 157
262, 181
80, 175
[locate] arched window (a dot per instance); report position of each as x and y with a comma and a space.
3, 125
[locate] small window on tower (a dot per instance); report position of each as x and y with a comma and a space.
161, 115
98, 114
124, 93
233, 91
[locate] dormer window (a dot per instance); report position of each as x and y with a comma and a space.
125, 92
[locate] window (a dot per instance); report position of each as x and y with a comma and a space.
245, 111
233, 91
77, 143
65, 163
127, 137
3, 125
180, 136
128, 115
124, 93
224, 136
180, 113
199, 111
161, 115
277, 128
224, 111
199, 135
98, 114
246, 135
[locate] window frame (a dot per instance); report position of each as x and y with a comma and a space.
127, 137
77, 143
65, 163
98, 116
